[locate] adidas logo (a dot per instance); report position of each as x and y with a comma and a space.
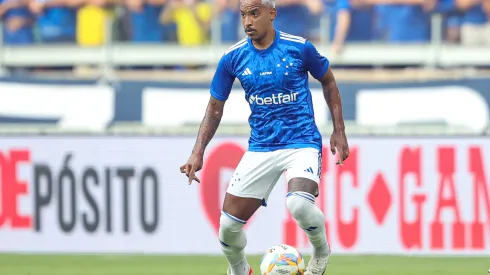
311, 228
247, 72
309, 170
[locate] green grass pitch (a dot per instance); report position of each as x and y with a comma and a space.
11, 264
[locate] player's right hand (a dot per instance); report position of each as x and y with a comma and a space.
193, 165
338, 144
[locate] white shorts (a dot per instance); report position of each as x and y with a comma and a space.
258, 172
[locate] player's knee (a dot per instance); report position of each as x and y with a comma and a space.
231, 231
299, 203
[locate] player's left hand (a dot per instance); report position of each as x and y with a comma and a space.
338, 144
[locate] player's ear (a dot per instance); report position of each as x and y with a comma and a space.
273, 13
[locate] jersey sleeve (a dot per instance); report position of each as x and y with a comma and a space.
223, 79
314, 62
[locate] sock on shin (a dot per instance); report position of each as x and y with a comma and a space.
233, 241
310, 218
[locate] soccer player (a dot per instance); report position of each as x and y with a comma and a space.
272, 67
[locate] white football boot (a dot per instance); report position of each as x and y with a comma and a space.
317, 266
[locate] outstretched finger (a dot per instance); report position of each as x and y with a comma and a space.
197, 179
192, 175
340, 161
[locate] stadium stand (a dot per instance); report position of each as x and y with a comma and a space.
176, 33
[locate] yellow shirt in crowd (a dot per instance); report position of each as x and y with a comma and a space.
189, 31
91, 25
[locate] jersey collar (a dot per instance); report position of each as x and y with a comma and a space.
272, 46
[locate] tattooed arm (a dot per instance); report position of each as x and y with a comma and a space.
209, 125
220, 89
208, 128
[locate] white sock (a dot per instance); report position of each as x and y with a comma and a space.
311, 219
233, 241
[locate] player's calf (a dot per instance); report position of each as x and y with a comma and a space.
233, 242
236, 212
311, 219
301, 204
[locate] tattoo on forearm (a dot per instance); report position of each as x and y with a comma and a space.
208, 128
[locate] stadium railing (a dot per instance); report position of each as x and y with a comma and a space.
120, 54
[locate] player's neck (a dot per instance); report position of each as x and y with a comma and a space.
265, 42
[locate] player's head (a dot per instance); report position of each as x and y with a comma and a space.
258, 17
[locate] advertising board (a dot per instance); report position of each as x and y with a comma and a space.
126, 195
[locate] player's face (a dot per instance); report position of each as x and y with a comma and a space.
256, 18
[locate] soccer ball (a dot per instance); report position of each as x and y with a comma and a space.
282, 260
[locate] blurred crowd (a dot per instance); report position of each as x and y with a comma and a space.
188, 22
